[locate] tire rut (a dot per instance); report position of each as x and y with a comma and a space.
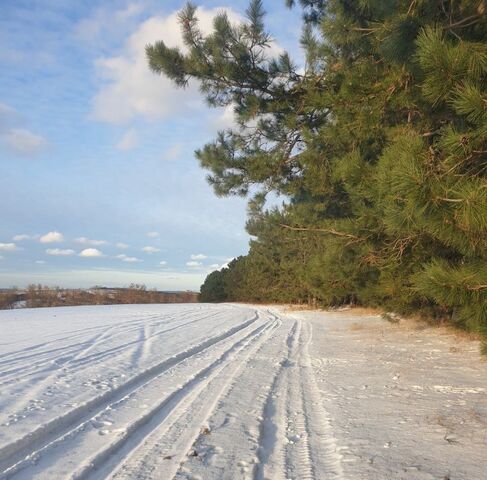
19, 454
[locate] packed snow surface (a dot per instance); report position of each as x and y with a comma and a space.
236, 392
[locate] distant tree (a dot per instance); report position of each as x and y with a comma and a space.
8, 298
213, 290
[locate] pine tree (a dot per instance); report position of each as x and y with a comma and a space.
380, 147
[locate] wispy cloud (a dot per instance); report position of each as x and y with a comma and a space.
151, 250
198, 256
87, 241
121, 245
104, 24
8, 115
8, 247
17, 139
52, 237
173, 152
20, 237
128, 259
193, 264
128, 141
23, 142
163, 263
60, 252
152, 234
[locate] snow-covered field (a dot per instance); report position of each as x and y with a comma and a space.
236, 392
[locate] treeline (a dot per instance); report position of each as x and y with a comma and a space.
45, 296
378, 148
8, 299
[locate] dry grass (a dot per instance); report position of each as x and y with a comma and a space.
460, 334
297, 308
356, 326
360, 311
413, 323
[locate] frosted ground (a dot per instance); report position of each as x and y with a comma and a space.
235, 392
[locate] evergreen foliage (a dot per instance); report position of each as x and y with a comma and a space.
379, 147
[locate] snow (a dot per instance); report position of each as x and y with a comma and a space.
236, 392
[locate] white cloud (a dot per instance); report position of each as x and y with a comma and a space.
40, 262
152, 234
8, 247
163, 262
91, 252
121, 245
130, 89
87, 241
225, 265
193, 264
151, 250
214, 266
226, 118
20, 237
59, 252
128, 259
128, 141
52, 237
198, 256
23, 142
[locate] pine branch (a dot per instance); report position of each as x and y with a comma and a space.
321, 230
465, 22
476, 288
411, 7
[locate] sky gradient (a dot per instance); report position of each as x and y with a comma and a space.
98, 180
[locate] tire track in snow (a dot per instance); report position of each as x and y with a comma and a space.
57, 365
136, 345
59, 369
20, 453
79, 348
164, 449
100, 466
296, 441
123, 326
229, 449
299, 464
270, 452
78, 356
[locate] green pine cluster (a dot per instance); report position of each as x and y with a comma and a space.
378, 148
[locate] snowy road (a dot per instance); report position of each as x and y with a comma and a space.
233, 392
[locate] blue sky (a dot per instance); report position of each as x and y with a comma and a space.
98, 181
